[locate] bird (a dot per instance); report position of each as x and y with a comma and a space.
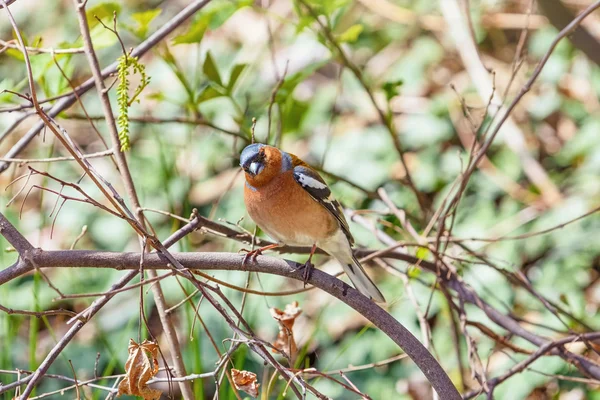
292, 204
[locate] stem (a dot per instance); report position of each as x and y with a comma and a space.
159, 299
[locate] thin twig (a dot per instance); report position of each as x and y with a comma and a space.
39, 50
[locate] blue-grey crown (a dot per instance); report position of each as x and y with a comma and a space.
250, 153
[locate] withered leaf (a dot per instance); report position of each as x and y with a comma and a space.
285, 339
245, 381
140, 367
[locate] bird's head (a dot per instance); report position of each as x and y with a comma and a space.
253, 159
261, 163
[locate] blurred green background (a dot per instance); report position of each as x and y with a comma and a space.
219, 70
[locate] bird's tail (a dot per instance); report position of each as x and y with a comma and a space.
359, 277
339, 247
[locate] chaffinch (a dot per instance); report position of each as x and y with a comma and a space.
292, 204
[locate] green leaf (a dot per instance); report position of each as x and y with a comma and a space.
391, 88
6, 84
422, 253
328, 7
208, 94
235, 74
210, 69
221, 12
143, 20
194, 34
293, 114
102, 11
293, 80
101, 37
413, 272
158, 96
334, 5
15, 54
212, 17
351, 34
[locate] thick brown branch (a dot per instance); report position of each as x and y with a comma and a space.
13, 236
227, 261
91, 311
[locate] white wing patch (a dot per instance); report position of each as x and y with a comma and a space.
312, 182
308, 181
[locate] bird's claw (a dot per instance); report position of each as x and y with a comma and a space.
308, 268
250, 255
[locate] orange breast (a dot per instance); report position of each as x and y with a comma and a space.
287, 213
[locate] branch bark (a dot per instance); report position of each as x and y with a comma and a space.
468, 295
228, 261
159, 299
560, 16
13, 236
14, 271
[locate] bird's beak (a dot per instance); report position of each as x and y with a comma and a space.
254, 168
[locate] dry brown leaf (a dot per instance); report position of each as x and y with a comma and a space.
245, 381
285, 339
140, 367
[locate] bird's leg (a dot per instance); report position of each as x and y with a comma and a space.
252, 254
308, 266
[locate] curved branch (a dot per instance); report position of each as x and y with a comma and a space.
229, 261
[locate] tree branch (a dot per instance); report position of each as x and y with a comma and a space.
169, 329
91, 311
468, 295
481, 79
13, 236
560, 16
228, 261
138, 51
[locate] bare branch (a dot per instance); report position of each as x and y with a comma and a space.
13, 236
480, 77
227, 261
138, 51
39, 50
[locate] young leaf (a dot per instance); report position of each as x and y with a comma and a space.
221, 12
102, 11
101, 37
422, 253
194, 34
351, 34
212, 17
391, 89
210, 69
293, 80
15, 54
6, 97
143, 20
235, 74
208, 94
413, 272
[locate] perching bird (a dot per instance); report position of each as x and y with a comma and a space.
292, 204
